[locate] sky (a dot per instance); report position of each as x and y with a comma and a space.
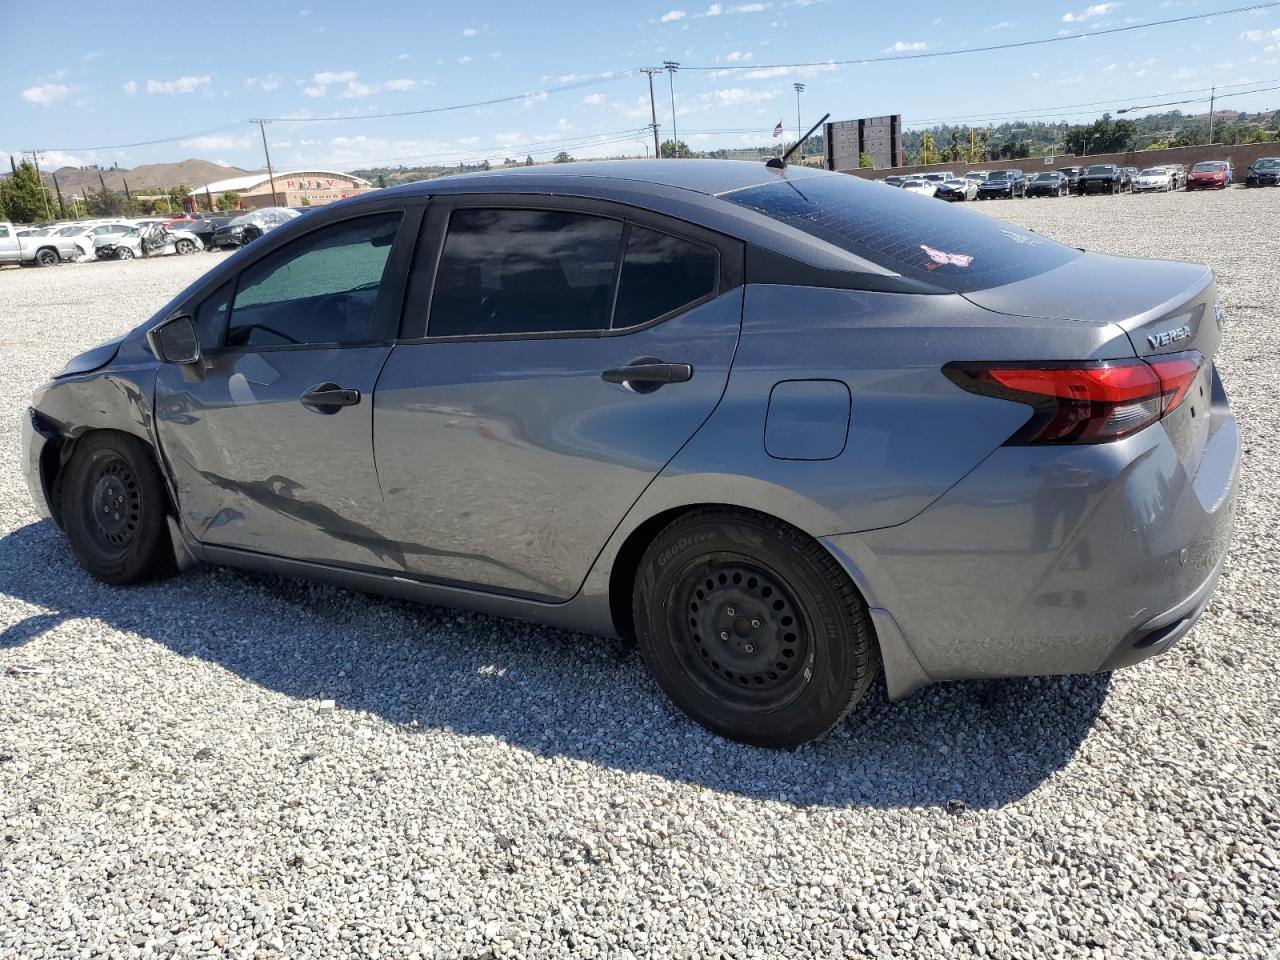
93, 85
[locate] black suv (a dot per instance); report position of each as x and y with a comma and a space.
1003, 183
1102, 178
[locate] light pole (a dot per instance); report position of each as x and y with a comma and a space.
799, 90
671, 67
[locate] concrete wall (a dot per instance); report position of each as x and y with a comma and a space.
1240, 156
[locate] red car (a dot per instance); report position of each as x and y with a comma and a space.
1209, 175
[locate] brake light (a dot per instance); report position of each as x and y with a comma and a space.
1084, 402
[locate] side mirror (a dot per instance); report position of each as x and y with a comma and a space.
175, 341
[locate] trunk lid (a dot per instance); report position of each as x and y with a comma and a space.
1163, 306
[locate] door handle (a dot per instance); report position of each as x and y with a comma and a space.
649, 373
330, 398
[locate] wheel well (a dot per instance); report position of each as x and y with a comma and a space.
622, 577
57, 453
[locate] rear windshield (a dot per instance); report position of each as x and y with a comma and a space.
912, 235
1101, 168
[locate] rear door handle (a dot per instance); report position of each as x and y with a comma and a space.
651, 373
330, 398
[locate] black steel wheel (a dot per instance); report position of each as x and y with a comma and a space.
114, 509
47, 257
752, 628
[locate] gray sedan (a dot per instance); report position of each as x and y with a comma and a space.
781, 426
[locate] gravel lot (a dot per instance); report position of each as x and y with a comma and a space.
232, 765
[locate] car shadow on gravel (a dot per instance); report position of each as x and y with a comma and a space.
554, 693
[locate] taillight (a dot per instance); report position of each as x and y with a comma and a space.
1084, 402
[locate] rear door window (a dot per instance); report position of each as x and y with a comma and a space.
524, 271
914, 236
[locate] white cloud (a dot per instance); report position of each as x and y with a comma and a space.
269, 82
130, 88
465, 58
1270, 37
334, 76
470, 32
733, 96
1002, 25
904, 46
768, 73
91, 55
593, 99
1088, 13
403, 56
737, 56
219, 142
400, 85
672, 15
46, 93
180, 85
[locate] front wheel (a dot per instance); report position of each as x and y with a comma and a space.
751, 628
114, 509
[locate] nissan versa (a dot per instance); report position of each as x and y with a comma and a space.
780, 425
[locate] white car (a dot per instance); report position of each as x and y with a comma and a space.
1153, 180
150, 241
109, 233
79, 234
926, 188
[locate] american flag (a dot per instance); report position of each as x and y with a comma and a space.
777, 131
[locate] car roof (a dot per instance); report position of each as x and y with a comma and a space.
709, 177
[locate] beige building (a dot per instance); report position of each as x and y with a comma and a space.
292, 189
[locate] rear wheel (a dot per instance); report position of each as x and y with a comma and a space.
752, 628
183, 247
47, 257
124, 253
114, 509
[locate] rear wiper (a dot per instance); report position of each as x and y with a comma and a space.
780, 163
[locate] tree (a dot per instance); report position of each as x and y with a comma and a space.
865, 161
229, 201
23, 198
382, 180
928, 149
952, 153
528, 161
671, 149
104, 203
972, 152
562, 157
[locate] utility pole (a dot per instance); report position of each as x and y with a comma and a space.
262, 126
671, 67
799, 90
1212, 94
653, 112
35, 160
61, 206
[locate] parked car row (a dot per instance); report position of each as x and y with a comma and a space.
126, 239
1098, 178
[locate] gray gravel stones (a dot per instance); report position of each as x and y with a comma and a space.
225, 765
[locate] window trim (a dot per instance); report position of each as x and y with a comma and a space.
393, 285
421, 285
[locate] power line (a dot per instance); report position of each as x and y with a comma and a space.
930, 54
1019, 113
513, 98
150, 143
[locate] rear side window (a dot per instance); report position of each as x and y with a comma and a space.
321, 288
914, 236
661, 273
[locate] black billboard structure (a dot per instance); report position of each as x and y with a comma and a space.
880, 138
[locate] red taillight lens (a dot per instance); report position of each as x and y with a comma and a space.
1084, 402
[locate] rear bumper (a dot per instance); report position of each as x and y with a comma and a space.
1053, 560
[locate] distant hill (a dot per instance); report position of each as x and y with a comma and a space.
148, 176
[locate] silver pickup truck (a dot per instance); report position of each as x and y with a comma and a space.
39, 251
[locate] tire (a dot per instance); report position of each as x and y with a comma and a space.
183, 247
123, 253
47, 257
114, 509
792, 659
